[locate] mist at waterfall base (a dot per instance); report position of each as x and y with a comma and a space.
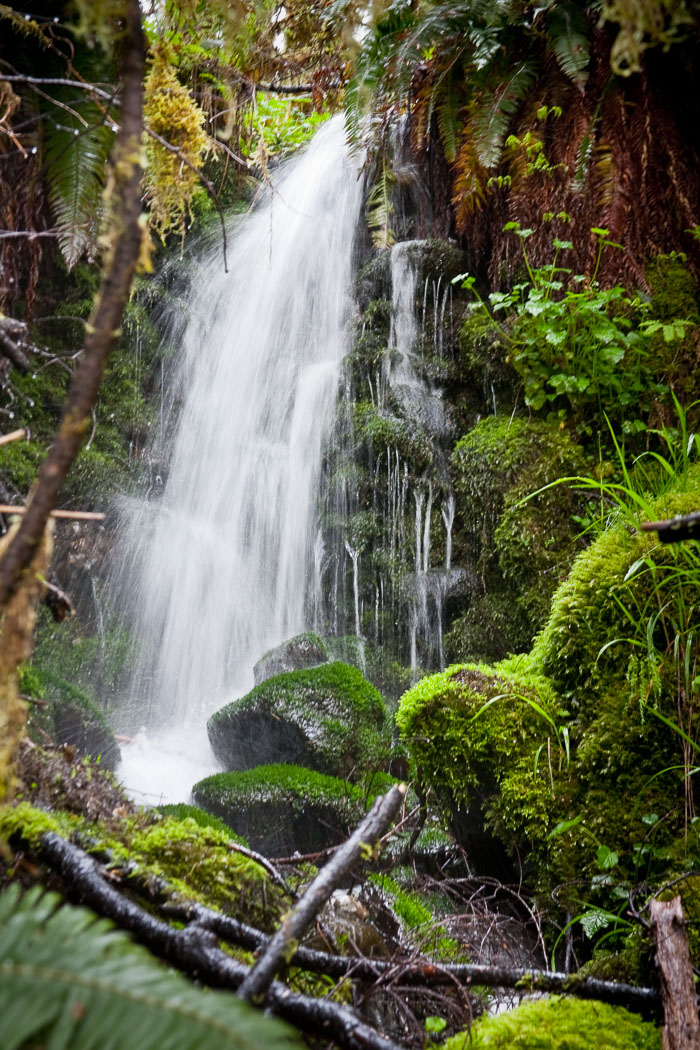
223, 565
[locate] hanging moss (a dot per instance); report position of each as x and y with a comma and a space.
560, 1024
328, 718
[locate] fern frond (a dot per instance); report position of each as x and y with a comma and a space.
75, 154
447, 113
69, 981
568, 38
494, 111
380, 208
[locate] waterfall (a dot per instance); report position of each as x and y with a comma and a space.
223, 565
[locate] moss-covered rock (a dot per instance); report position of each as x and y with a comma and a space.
328, 718
70, 717
282, 809
304, 650
182, 811
627, 588
522, 550
560, 1024
472, 731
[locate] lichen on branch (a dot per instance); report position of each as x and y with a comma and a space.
171, 178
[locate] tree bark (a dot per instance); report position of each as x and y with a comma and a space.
295, 925
106, 318
681, 1025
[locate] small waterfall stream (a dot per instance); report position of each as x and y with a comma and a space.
224, 565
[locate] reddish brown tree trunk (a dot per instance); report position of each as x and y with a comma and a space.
681, 1027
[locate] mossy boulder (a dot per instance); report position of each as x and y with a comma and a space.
328, 718
70, 717
625, 590
522, 550
304, 650
560, 1024
282, 809
472, 731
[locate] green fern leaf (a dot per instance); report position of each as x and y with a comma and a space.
76, 148
494, 111
568, 37
447, 113
380, 208
71, 982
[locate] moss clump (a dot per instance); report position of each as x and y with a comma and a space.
417, 919
384, 430
328, 718
196, 861
280, 809
473, 731
304, 650
625, 584
181, 811
522, 550
561, 1024
31, 823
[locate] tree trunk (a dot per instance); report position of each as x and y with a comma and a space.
681, 1027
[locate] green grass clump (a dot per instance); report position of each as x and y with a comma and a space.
560, 1024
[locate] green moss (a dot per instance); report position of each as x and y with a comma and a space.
522, 549
417, 918
29, 823
304, 650
383, 430
473, 731
328, 718
181, 811
283, 808
561, 1024
625, 581
197, 862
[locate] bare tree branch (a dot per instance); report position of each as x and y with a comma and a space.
294, 926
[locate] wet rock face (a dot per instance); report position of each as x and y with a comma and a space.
283, 809
304, 650
329, 719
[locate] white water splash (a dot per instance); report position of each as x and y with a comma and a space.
222, 567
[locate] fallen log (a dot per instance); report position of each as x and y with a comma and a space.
195, 951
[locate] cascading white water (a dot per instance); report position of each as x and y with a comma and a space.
422, 405
223, 565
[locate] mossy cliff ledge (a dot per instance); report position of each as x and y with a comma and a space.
577, 735
329, 719
281, 809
